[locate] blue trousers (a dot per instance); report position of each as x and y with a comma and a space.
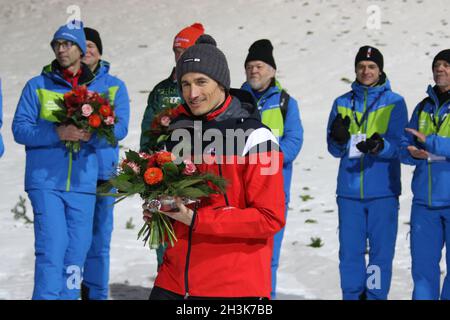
62, 230
430, 230
277, 241
372, 221
96, 268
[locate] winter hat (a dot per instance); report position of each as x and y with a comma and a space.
204, 57
72, 31
187, 37
368, 53
443, 55
94, 36
261, 50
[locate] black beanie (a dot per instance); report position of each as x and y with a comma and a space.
94, 36
261, 50
443, 55
368, 53
204, 57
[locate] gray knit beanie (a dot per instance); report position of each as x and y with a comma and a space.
204, 57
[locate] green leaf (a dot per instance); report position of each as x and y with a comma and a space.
193, 193
105, 187
162, 137
133, 156
122, 185
170, 169
137, 188
186, 183
123, 177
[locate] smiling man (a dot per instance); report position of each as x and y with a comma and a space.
225, 243
364, 131
427, 147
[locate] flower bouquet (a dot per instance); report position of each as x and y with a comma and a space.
159, 127
86, 110
157, 178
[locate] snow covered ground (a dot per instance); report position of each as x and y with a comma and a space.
315, 44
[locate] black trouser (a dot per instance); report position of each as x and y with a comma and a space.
163, 294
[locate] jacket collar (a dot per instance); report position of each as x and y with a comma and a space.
360, 90
230, 109
275, 88
432, 93
53, 71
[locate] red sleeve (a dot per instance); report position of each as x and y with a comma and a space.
265, 207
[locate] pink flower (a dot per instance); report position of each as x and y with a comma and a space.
87, 110
134, 166
144, 155
165, 121
190, 168
109, 120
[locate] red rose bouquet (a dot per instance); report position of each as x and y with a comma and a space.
157, 178
87, 110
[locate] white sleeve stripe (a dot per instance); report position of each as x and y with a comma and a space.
258, 136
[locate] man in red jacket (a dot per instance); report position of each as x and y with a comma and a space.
224, 246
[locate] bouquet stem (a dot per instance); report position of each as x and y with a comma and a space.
157, 230
73, 146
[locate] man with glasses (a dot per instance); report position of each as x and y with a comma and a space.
61, 184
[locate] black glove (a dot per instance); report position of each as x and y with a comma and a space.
373, 145
339, 129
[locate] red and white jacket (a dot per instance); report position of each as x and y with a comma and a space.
227, 250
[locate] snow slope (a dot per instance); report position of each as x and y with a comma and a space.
315, 44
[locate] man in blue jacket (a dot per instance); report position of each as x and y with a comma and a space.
427, 147
280, 113
96, 269
364, 131
2, 147
60, 183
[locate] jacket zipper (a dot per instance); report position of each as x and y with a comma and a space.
188, 255
69, 173
429, 183
361, 174
225, 194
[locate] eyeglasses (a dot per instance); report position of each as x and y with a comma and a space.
64, 44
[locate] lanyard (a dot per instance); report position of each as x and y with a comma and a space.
440, 120
366, 112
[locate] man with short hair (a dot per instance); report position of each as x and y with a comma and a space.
96, 269
165, 95
427, 147
280, 113
364, 131
60, 183
225, 244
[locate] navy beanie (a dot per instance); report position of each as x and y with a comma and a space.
261, 50
443, 55
368, 53
204, 57
72, 31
